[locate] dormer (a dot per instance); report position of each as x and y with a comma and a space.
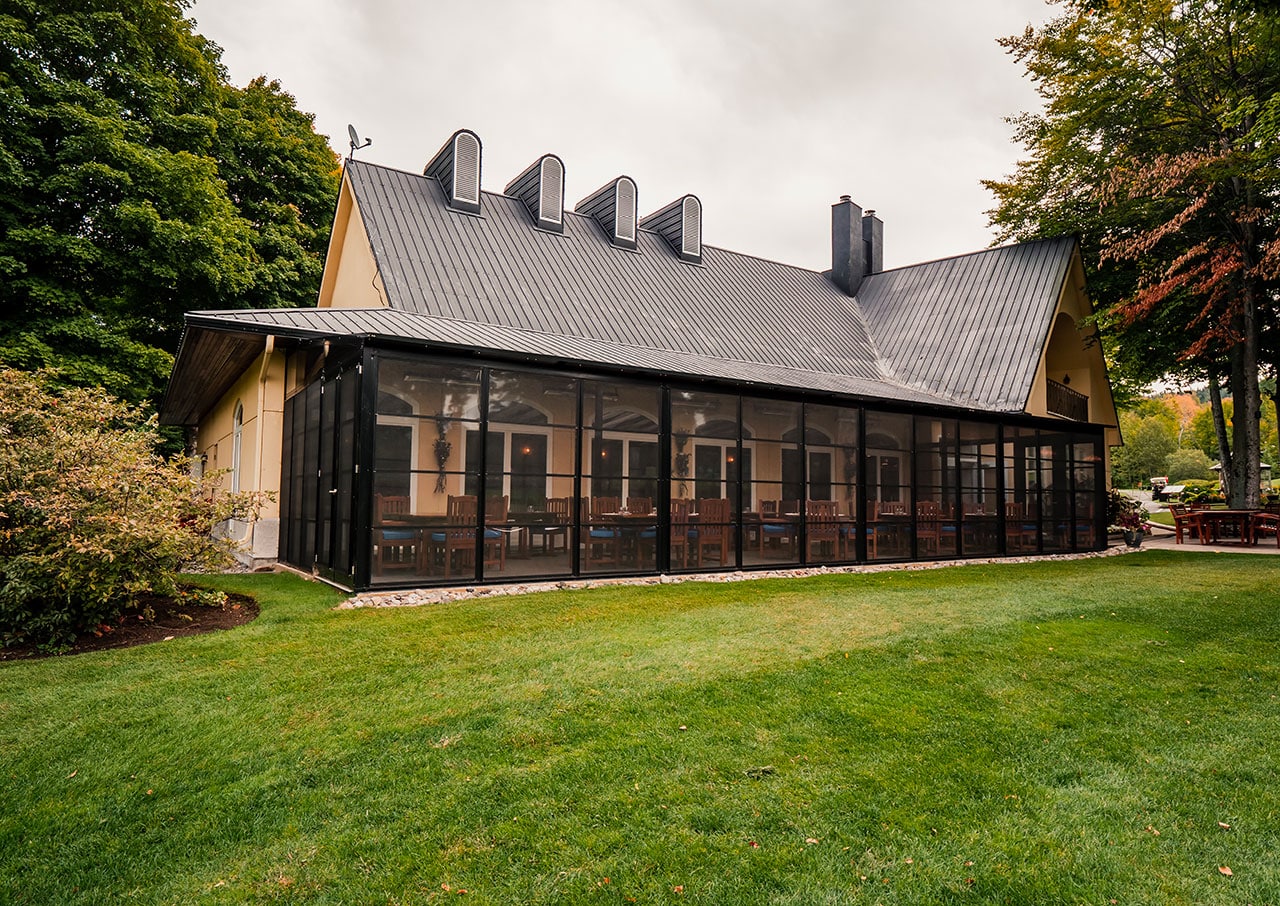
680, 223
541, 188
613, 206
457, 167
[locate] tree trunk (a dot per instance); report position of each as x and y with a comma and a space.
1220, 429
1246, 477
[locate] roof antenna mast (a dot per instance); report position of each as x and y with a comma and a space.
356, 144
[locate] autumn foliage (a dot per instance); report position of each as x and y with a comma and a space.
91, 516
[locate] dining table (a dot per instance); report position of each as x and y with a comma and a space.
1226, 526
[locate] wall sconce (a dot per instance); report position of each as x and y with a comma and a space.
1066, 379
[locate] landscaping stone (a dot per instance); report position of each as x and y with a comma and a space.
422, 596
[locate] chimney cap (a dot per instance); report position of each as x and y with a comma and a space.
869, 212
845, 198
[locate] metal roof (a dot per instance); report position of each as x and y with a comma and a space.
963, 332
969, 328
222, 343
496, 268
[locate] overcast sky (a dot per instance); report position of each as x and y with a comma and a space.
767, 110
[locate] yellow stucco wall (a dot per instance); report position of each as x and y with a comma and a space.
260, 390
351, 278
1070, 353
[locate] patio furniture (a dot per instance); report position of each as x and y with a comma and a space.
1219, 524
1184, 520
822, 530
496, 531
932, 533
713, 534
555, 525
890, 525
1266, 522
680, 530
1020, 530
393, 547
452, 547
778, 520
603, 541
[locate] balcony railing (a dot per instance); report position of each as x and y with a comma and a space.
1064, 401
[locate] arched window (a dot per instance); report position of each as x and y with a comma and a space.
237, 431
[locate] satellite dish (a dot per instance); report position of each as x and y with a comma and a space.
356, 144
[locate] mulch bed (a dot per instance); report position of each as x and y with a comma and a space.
173, 620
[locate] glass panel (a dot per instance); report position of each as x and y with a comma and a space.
831, 425
770, 419
418, 387
525, 398
704, 415
622, 407
888, 459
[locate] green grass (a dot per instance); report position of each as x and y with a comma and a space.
1009, 733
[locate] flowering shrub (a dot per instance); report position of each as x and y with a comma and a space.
1125, 513
91, 516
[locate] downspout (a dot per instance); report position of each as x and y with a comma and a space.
267, 349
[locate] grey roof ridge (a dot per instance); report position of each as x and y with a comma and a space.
984, 251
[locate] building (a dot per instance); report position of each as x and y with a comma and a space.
492, 387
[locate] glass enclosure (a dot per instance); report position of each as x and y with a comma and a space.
406, 470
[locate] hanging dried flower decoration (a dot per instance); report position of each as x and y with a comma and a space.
442, 449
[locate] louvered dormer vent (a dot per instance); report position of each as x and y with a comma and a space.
613, 206
541, 188
457, 167
680, 223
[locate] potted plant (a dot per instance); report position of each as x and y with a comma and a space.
1128, 516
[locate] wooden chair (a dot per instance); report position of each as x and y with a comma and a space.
713, 534
1266, 522
495, 533
454, 545
929, 526
680, 530
557, 525
1020, 530
822, 530
394, 548
640, 506
782, 530
1185, 520
603, 542
889, 520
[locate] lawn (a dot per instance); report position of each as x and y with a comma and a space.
1089, 731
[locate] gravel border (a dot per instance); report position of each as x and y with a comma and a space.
422, 596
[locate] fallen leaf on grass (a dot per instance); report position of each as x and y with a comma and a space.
753, 844
75, 772
1151, 830
679, 888
811, 840
1221, 824
1224, 870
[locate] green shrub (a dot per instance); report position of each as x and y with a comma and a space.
1181, 465
1199, 491
91, 516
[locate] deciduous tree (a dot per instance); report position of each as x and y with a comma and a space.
1159, 145
136, 184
